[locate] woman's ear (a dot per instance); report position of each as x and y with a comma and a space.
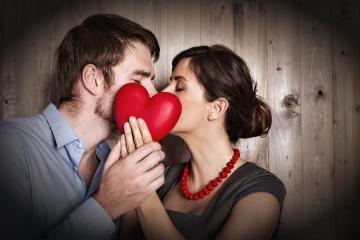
217, 108
92, 79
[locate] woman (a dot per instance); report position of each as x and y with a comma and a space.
216, 194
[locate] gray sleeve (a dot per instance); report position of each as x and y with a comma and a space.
87, 221
15, 189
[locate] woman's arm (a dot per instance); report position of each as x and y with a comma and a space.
130, 227
155, 221
151, 214
253, 217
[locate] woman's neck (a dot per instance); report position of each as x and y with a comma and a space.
208, 157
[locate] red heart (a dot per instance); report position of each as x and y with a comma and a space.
160, 112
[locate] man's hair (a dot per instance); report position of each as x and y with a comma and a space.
100, 40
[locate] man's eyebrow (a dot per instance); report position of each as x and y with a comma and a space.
177, 78
143, 73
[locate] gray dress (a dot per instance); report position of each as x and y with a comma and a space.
248, 178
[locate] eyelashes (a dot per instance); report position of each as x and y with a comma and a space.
136, 81
177, 87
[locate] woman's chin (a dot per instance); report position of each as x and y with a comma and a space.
174, 132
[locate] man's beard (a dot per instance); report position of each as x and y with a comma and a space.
102, 112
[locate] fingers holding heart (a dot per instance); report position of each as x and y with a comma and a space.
130, 145
123, 147
146, 136
137, 135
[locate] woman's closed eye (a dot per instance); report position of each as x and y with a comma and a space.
180, 86
178, 89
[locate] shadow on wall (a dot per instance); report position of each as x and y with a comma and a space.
33, 27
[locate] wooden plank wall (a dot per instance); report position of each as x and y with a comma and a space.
304, 54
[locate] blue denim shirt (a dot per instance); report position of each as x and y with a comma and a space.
42, 192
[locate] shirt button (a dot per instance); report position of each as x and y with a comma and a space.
75, 168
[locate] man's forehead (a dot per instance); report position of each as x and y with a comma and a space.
138, 57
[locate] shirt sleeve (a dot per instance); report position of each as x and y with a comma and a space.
88, 221
16, 202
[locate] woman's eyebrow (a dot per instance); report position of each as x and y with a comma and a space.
177, 78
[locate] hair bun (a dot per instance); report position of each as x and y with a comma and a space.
261, 118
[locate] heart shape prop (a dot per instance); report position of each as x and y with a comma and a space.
160, 112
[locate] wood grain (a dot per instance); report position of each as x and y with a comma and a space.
304, 55
250, 42
317, 120
284, 96
346, 73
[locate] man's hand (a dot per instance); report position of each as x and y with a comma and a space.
132, 171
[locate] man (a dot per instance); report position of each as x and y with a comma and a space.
59, 179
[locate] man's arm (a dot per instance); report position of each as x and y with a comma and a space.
125, 184
87, 221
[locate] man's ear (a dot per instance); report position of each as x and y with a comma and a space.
92, 79
217, 108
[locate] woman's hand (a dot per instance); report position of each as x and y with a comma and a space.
136, 134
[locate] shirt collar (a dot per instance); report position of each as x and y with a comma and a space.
64, 134
61, 130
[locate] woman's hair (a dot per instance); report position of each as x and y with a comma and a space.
222, 73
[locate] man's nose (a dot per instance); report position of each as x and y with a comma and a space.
167, 89
150, 87
152, 90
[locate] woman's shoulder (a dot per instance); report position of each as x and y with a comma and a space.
250, 178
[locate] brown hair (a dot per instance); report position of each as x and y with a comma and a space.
222, 73
100, 40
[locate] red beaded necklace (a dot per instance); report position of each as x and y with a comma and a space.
212, 184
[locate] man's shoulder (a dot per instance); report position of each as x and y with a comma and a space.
23, 127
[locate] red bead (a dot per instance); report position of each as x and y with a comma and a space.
214, 183
230, 165
196, 196
201, 194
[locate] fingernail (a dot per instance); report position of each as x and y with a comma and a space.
126, 125
132, 119
140, 120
